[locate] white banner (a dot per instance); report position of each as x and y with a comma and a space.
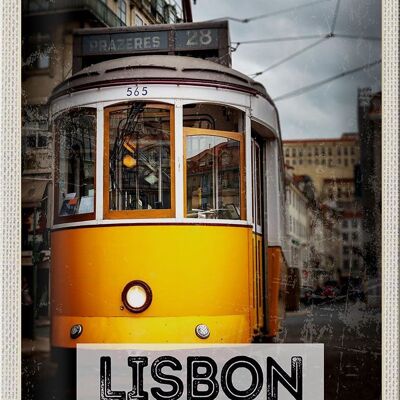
161, 372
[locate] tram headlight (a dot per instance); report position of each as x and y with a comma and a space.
137, 296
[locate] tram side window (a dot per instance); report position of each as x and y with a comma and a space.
139, 158
213, 177
75, 175
214, 161
213, 116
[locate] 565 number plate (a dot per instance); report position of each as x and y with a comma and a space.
135, 91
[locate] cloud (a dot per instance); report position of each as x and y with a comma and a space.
332, 108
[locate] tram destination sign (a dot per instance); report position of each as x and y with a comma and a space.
208, 40
125, 42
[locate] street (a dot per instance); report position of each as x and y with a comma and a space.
350, 332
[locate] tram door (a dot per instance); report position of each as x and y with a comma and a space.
258, 278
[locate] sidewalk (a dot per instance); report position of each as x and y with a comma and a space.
41, 343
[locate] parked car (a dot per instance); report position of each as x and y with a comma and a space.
330, 289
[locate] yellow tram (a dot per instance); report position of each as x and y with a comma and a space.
168, 205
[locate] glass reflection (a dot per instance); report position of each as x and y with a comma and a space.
213, 177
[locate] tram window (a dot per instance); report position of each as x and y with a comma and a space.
139, 159
75, 172
258, 182
213, 177
213, 116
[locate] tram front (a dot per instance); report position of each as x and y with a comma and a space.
157, 204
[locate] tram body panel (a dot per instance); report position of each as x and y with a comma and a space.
191, 270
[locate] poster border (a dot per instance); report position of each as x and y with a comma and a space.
10, 197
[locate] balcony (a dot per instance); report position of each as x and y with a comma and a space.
96, 7
162, 11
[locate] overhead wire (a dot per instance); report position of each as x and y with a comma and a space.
279, 39
274, 13
308, 88
333, 26
293, 55
345, 36
324, 37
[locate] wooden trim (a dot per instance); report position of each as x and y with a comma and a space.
137, 214
77, 217
230, 135
213, 132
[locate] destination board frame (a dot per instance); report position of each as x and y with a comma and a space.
208, 40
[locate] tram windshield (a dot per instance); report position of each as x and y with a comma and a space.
76, 154
139, 151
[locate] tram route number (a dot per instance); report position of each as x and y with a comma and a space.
136, 91
196, 38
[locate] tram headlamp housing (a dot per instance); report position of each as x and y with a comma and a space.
202, 331
137, 296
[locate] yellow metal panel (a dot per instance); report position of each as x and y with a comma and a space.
192, 270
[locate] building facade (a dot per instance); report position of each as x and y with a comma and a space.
47, 49
323, 158
297, 224
333, 166
369, 190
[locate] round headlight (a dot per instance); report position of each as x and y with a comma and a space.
137, 296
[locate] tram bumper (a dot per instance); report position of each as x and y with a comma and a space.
222, 329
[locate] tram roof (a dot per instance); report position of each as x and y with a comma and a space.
159, 69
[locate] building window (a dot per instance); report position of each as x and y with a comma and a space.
354, 223
322, 151
300, 161
122, 10
309, 152
39, 49
355, 264
345, 237
294, 162
329, 151
294, 152
352, 151
354, 236
300, 153
339, 151
345, 223
346, 250
346, 265
352, 161
323, 162
316, 161
330, 164
35, 139
316, 151
346, 162
287, 152
345, 151
138, 20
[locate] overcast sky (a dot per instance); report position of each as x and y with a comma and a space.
331, 109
